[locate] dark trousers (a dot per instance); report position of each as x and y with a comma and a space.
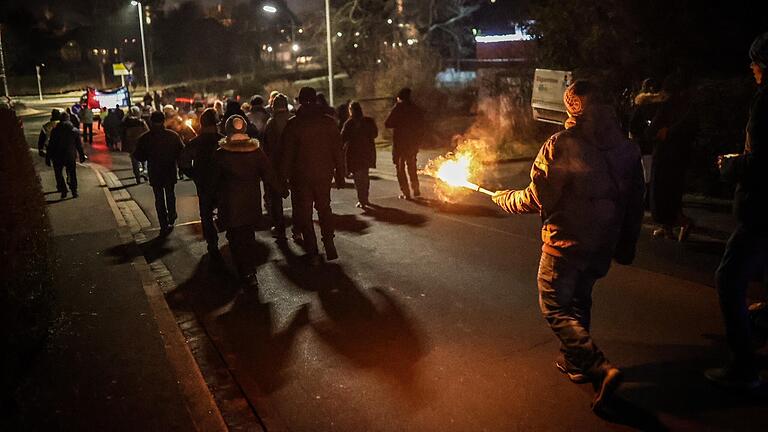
565, 299
165, 204
88, 132
210, 233
137, 167
71, 168
362, 184
242, 246
745, 255
275, 203
306, 195
406, 169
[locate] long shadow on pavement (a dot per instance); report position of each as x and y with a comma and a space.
368, 327
395, 216
679, 387
152, 250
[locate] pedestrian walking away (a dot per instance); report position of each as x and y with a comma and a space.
672, 130
312, 157
86, 118
746, 253
198, 162
407, 122
64, 148
587, 185
273, 138
133, 127
358, 135
45, 132
241, 165
160, 148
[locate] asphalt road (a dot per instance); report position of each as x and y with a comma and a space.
429, 322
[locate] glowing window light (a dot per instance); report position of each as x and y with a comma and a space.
502, 38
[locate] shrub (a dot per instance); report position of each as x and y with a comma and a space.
25, 268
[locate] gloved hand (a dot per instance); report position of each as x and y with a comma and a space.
500, 197
48, 162
41, 153
285, 193
340, 183
83, 158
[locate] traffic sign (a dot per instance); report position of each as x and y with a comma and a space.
119, 69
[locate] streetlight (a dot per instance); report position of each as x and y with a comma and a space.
39, 85
143, 46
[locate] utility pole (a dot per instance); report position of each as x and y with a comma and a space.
2, 64
39, 86
330, 50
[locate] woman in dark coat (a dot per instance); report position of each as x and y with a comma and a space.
242, 164
673, 130
358, 135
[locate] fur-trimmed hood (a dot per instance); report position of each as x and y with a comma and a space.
650, 98
239, 143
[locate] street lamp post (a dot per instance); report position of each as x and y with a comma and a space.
143, 45
2, 64
39, 85
330, 52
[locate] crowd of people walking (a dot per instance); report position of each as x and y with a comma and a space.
588, 183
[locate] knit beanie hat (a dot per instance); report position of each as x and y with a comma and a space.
135, 111
235, 124
758, 52
576, 97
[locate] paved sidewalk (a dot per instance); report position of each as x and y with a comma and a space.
114, 360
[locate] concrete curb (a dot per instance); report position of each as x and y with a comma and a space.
202, 408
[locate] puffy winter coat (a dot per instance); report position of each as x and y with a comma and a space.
241, 165
407, 122
160, 148
587, 184
358, 136
312, 147
750, 170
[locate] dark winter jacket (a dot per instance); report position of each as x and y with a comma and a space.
160, 148
312, 147
65, 145
133, 128
407, 122
750, 170
273, 136
198, 162
358, 136
45, 136
587, 184
646, 105
241, 165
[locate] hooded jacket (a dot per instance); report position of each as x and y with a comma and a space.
241, 165
646, 105
273, 135
160, 148
312, 147
65, 144
133, 128
587, 185
750, 170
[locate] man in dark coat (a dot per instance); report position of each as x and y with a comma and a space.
241, 165
273, 138
407, 122
64, 147
160, 148
133, 127
312, 157
358, 135
587, 184
197, 161
747, 250
45, 132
